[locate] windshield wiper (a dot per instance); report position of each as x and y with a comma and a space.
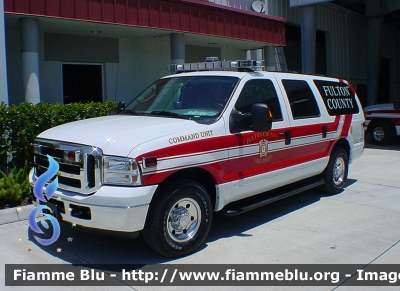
167, 113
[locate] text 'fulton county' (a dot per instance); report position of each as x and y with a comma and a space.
338, 91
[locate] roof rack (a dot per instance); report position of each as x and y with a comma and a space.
213, 63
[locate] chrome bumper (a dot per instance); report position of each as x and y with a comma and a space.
111, 208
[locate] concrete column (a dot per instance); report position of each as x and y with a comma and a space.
177, 48
269, 58
30, 59
374, 11
248, 54
374, 32
256, 54
308, 39
3, 67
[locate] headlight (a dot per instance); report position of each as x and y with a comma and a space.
121, 171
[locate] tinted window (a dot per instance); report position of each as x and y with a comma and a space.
338, 97
259, 91
301, 99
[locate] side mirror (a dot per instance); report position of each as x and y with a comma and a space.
261, 118
120, 108
239, 121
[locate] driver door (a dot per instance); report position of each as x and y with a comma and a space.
258, 160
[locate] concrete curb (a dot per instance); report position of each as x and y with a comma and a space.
15, 214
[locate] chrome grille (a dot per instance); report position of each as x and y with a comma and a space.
79, 164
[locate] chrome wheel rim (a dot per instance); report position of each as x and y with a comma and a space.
378, 133
339, 169
183, 220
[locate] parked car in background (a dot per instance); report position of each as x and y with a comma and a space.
383, 121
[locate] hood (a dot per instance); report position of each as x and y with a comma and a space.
387, 106
118, 134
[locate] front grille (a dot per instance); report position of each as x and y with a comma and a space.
66, 168
79, 165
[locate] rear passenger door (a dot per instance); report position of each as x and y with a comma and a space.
258, 160
308, 132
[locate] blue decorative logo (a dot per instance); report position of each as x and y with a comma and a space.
38, 192
46, 176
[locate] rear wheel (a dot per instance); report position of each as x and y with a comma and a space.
335, 174
381, 133
179, 220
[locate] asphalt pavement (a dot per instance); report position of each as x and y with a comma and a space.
358, 226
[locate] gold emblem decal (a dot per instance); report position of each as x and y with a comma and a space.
263, 148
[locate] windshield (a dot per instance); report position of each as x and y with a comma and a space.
195, 97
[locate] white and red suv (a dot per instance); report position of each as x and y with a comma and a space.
383, 122
198, 142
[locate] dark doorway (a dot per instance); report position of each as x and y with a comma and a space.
320, 53
293, 50
362, 94
82, 83
384, 82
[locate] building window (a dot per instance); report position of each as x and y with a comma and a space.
82, 83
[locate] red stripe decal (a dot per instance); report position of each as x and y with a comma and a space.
232, 168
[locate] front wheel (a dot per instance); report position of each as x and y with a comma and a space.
335, 174
179, 219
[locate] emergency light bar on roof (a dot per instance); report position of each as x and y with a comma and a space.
214, 64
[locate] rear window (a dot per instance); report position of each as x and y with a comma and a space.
338, 97
301, 99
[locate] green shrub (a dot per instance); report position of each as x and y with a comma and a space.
20, 124
14, 186
4, 144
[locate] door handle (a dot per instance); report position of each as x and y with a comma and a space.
288, 136
324, 131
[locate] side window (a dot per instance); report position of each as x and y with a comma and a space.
301, 98
259, 91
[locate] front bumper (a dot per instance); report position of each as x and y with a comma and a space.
111, 208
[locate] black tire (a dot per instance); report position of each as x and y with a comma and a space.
179, 219
335, 174
381, 133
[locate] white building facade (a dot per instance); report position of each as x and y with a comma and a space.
354, 45
96, 51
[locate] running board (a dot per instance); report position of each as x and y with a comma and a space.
240, 207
